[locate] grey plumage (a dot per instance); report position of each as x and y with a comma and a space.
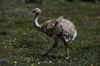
57, 28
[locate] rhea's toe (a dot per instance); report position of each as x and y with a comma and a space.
67, 57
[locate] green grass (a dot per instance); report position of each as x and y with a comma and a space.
22, 45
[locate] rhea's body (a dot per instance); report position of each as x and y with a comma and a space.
63, 29
57, 28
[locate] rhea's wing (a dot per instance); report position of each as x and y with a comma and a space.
49, 26
68, 29
58, 25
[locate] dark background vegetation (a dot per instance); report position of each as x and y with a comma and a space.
22, 45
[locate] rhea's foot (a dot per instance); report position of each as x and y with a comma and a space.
67, 57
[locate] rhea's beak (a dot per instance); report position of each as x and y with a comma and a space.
33, 11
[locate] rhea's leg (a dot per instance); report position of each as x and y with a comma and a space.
66, 47
54, 45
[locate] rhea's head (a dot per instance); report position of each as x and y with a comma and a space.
36, 10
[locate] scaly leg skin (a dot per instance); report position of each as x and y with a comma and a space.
54, 46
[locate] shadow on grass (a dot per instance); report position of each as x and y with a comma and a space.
54, 57
48, 56
27, 43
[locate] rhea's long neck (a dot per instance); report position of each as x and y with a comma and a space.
35, 21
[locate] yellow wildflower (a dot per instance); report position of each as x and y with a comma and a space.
32, 29
27, 28
91, 26
32, 64
6, 40
10, 40
70, 61
20, 28
61, 54
15, 61
83, 37
97, 17
99, 63
91, 64
20, 37
5, 46
25, 33
59, 61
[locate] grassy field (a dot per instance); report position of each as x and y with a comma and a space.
22, 45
